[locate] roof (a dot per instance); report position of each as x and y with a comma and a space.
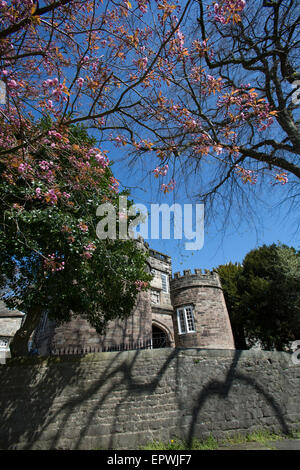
5, 312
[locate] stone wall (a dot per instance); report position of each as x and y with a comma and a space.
123, 400
78, 333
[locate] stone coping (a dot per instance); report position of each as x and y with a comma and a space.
199, 353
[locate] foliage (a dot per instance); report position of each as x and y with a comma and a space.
229, 276
51, 257
147, 77
263, 296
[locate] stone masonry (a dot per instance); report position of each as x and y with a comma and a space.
203, 292
188, 310
122, 400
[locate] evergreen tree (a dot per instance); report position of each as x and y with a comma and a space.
263, 296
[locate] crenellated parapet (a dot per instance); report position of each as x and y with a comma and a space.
195, 279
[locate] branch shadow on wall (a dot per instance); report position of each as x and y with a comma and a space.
58, 404
222, 388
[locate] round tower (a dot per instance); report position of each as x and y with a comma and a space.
200, 316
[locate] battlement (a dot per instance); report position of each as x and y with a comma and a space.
196, 278
198, 272
160, 256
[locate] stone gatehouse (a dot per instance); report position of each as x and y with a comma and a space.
182, 311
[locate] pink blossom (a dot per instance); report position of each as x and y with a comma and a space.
102, 160
141, 284
281, 178
24, 168
83, 227
52, 196
50, 82
38, 192
161, 171
49, 104
44, 165
12, 84
55, 134
143, 5
168, 187
80, 82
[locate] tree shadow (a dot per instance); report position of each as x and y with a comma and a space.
68, 402
221, 389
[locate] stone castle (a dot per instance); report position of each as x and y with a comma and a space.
183, 311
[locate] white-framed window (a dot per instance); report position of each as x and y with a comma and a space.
185, 319
164, 283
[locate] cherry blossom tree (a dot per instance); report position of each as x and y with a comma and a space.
52, 259
162, 79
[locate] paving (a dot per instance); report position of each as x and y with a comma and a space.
282, 444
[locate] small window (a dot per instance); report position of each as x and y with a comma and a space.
164, 282
155, 297
185, 319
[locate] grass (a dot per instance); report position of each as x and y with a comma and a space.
211, 443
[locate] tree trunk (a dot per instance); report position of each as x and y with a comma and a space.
19, 344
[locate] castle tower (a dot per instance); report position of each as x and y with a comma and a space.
200, 315
162, 309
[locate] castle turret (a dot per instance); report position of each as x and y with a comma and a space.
200, 316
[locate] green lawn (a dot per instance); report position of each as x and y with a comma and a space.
211, 443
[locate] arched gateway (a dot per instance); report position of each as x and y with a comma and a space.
160, 338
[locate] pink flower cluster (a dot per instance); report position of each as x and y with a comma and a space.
141, 285
80, 82
180, 38
50, 82
192, 125
44, 165
281, 178
141, 63
52, 196
83, 227
38, 193
89, 249
102, 160
55, 134
58, 88
24, 169
114, 184
57, 92
161, 171
142, 5
166, 188
12, 84
247, 176
225, 9
52, 263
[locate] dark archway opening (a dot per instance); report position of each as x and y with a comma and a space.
159, 338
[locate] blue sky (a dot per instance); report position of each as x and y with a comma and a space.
271, 224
